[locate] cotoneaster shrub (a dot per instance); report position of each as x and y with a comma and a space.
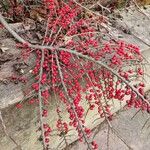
73, 59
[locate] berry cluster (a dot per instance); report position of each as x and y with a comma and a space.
69, 75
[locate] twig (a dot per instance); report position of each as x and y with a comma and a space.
90, 10
70, 102
97, 96
136, 114
140, 39
145, 123
40, 99
40, 86
60, 118
134, 1
108, 137
14, 34
103, 7
40, 91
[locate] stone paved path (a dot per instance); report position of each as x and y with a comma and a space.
132, 131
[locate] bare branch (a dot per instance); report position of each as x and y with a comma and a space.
134, 1
13, 33
97, 14
40, 99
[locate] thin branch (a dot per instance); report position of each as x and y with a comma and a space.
63, 135
134, 1
145, 123
97, 95
103, 7
40, 99
90, 10
70, 101
13, 33
40, 90
108, 137
136, 114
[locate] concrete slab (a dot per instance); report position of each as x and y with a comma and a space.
131, 130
